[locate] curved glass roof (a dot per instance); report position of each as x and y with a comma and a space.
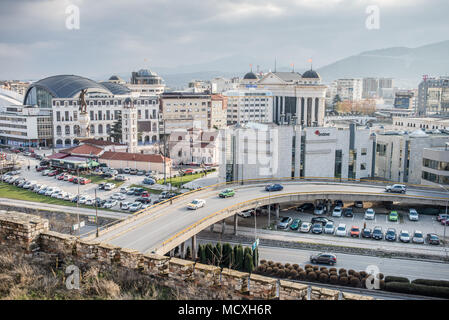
66, 86
115, 88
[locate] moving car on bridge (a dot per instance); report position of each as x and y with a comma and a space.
274, 187
396, 188
196, 204
227, 193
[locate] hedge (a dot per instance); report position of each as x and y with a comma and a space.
396, 279
436, 283
418, 289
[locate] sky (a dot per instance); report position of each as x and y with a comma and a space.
121, 36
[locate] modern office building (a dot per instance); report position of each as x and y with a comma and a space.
347, 89
255, 150
374, 88
25, 126
435, 166
399, 156
146, 83
249, 105
404, 100
433, 96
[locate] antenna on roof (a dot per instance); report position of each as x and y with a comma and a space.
310, 61
293, 67
251, 66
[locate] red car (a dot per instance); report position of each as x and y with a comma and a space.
445, 222
53, 173
84, 181
72, 178
188, 171
355, 231
61, 176
145, 194
39, 169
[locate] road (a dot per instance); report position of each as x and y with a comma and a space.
149, 231
412, 269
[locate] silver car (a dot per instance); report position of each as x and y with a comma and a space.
418, 237
284, 222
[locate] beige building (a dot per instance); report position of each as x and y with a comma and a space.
139, 161
181, 110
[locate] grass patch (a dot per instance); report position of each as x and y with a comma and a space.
13, 192
153, 191
179, 181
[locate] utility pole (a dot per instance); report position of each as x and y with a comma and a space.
96, 212
78, 199
445, 223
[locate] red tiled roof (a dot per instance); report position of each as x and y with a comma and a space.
84, 149
124, 156
58, 155
97, 142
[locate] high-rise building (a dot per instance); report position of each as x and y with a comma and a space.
249, 105
347, 89
433, 96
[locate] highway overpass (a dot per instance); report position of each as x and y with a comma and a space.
165, 226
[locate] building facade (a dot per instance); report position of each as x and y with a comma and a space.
146, 83
249, 105
435, 170
347, 89
433, 96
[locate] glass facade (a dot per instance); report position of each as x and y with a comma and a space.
40, 97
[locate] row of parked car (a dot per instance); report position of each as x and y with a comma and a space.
319, 225
63, 176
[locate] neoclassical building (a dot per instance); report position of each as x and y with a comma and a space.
106, 103
297, 99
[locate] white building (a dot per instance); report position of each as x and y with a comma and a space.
220, 84
435, 169
297, 99
270, 151
347, 89
146, 83
25, 126
249, 105
399, 156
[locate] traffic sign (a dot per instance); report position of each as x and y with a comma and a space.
255, 244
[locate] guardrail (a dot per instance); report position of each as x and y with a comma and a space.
245, 204
113, 225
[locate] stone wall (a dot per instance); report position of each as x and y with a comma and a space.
191, 279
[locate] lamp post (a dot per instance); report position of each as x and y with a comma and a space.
445, 223
255, 222
78, 199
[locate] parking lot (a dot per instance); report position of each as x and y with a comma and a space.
426, 223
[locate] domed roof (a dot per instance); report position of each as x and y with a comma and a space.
145, 73
250, 76
310, 74
115, 78
418, 133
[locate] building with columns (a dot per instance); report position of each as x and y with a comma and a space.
297, 99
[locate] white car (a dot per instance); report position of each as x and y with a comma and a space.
56, 194
145, 205
109, 186
118, 196
305, 227
126, 205
196, 204
413, 215
28, 184
418, 237
46, 172
370, 214
245, 214
396, 188
135, 206
337, 212
341, 230
110, 204
50, 191
404, 236
68, 197
329, 228
83, 199
124, 189
320, 209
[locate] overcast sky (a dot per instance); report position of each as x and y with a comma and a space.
121, 36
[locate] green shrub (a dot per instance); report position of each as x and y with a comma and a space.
302, 275
270, 263
396, 279
287, 265
343, 280
323, 277
341, 270
333, 279
315, 268
351, 272
307, 266
269, 270
354, 282
332, 269
427, 282
311, 276
296, 266
263, 261
293, 274
418, 289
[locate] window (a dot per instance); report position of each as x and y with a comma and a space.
363, 166
363, 151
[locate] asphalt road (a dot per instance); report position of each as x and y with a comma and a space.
412, 269
149, 231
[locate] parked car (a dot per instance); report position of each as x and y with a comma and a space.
339, 203
245, 213
118, 196
110, 203
393, 216
329, 228
67, 177
377, 233
348, 212
101, 186
370, 214
140, 172
341, 230
274, 187
390, 235
354, 232
358, 204
125, 205
337, 212
124, 190
196, 204
144, 200
442, 216
396, 188
413, 215
133, 171
149, 181
305, 227
227, 193
404, 236
126, 170
305, 207
327, 258
366, 233
432, 238
139, 191
284, 223
83, 199
135, 206
321, 220
295, 224
320, 209
317, 228
109, 186
418, 237
145, 194
120, 177
85, 181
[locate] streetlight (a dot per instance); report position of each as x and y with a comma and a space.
445, 223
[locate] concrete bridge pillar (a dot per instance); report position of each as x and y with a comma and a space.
328, 205
183, 250
277, 207
212, 228
194, 252
223, 226
172, 253
236, 222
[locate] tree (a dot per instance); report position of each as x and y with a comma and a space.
116, 130
228, 256
209, 254
239, 257
248, 264
218, 254
188, 253
335, 102
202, 254
256, 257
